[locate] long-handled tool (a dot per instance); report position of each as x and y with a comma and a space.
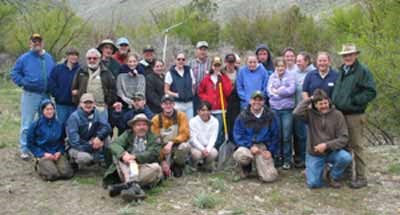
226, 148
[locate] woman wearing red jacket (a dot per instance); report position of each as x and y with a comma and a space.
209, 91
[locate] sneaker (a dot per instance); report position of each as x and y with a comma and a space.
133, 193
25, 156
286, 166
358, 183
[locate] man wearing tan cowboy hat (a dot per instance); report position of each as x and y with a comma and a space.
107, 48
354, 89
136, 154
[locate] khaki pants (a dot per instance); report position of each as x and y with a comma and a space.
208, 161
81, 158
149, 174
265, 168
356, 124
52, 170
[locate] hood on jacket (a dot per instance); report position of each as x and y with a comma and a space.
43, 104
269, 65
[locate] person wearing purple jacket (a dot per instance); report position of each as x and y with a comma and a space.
281, 90
251, 77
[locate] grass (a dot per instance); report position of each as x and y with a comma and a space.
9, 114
85, 180
217, 184
206, 201
394, 168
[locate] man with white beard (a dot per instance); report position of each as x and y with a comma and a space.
98, 80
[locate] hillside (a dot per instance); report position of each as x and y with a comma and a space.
134, 11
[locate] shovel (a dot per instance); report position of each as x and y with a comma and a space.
226, 149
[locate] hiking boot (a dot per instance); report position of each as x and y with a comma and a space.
177, 171
242, 172
358, 183
25, 156
133, 193
329, 180
116, 189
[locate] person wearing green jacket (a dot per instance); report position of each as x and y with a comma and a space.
136, 155
354, 90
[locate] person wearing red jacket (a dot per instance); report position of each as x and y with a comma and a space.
209, 91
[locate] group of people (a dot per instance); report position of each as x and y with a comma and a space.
278, 112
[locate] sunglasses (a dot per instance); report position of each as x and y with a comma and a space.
180, 59
92, 58
36, 41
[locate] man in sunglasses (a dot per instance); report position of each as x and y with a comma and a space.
31, 72
98, 80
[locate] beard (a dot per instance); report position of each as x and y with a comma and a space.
93, 66
37, 49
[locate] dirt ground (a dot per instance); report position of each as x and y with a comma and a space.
23, 192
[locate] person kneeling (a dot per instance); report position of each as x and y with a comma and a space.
256, 133
204, 134
327, 135
87, 134
45, 140
136, 154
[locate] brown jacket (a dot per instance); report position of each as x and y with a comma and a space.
80, 83
329, 128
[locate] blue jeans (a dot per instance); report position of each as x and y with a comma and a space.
339, 160
221, 137
30, 105
300, 140
63, 112
286, 129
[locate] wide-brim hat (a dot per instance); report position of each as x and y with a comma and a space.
137, 118
107, 42
348, 49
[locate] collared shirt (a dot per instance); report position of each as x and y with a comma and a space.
313, 81
200, 69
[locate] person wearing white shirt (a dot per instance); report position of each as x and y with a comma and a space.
204, 133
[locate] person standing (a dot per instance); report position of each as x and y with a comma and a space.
324, 77
200, 66
264, 57
31, 72
155, 87
60, 83
121, 56
107, 48
180, 84
281, 90
305, 66
355, 89
251, 77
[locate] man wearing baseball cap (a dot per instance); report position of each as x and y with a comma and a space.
31, 72
173, 128
256, 133
354, 90
123, 50
146, 65
136, 156
87, 133
200, 66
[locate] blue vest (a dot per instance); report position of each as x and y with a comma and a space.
182, 85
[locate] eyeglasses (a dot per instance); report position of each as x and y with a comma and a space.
92, 58
180, 59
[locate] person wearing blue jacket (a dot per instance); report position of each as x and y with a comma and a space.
256, 133
251, 77
87, 133
60, 84
45, 140
31, 72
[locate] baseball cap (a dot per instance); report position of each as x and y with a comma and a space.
202, 44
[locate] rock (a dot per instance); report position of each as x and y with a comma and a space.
259, 199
